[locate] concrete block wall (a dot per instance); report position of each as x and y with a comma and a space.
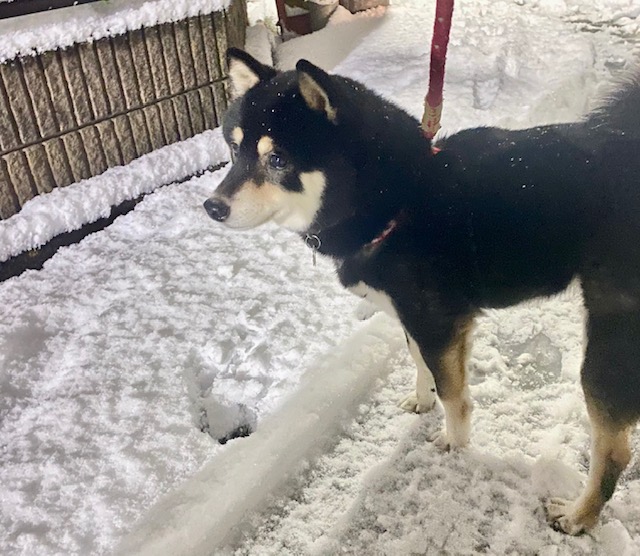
70, 114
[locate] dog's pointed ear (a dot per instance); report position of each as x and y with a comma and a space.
317, 89
245, 72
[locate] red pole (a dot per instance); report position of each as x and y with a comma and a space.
439, 43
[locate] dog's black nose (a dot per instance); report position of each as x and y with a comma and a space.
217, 209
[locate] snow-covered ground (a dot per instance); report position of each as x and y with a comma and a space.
129, 354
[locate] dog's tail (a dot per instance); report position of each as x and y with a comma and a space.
620, 110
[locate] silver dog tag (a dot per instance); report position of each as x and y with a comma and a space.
313, 242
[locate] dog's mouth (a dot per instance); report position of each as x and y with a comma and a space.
243, 227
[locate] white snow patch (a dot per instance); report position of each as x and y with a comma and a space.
191, 521
69, 208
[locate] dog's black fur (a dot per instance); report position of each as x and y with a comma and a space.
496, 217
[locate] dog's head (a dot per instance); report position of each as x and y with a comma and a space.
282, 132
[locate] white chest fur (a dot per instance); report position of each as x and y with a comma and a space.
380, 299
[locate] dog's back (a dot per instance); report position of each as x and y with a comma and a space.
554, 202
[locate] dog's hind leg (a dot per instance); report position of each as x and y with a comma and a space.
611, 383
423, 399
610, 454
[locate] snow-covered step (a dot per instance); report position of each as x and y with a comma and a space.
208, 511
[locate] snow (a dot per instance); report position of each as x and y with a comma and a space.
118, 354
69, 208
39, 32
247, 474
112, 355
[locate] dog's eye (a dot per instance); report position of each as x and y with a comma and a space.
277, 160
234, 148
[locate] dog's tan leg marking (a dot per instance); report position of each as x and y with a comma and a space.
453, 389
424, 398
610, 454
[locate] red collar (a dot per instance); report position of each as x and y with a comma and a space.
391, 226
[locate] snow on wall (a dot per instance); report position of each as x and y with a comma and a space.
28, 35
69, 208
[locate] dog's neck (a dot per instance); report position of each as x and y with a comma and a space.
353, 234
369, 227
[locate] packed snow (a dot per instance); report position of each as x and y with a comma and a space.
128, 357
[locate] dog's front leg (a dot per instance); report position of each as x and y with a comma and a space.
423, 399
366, 309
446, 354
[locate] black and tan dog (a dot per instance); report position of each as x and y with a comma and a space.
494, 218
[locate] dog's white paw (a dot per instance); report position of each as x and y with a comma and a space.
414, 404
365, 310
441, 441
566, 517
447, 442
